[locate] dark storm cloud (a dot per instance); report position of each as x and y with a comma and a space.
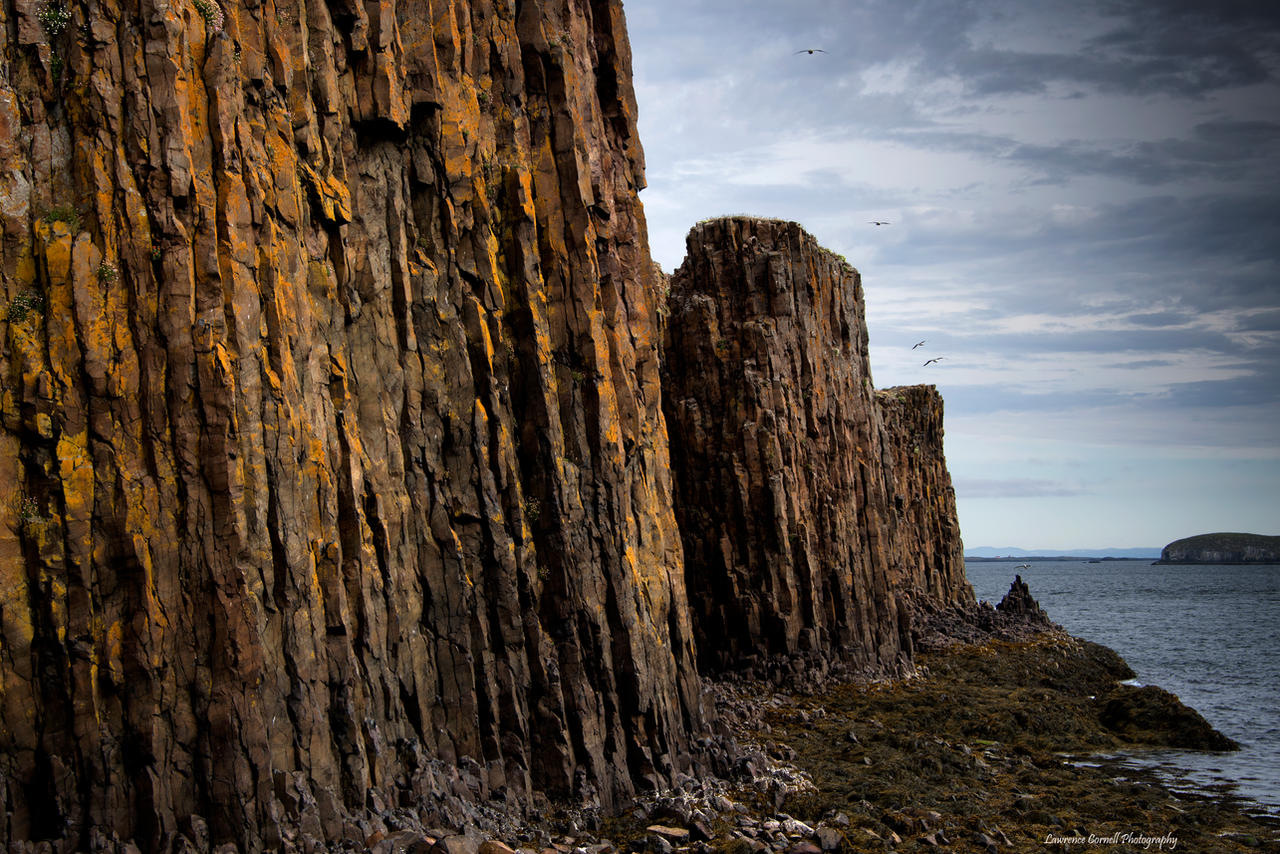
1223, 226
1144, 341
1118, 63
1267, 320
1216, 251
1213, 45
743, 52
1185, 49
1206, 252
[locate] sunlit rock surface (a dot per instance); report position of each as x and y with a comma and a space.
337, 488
334, 449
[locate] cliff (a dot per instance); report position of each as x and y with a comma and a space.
338, 493
803, 522
337, 475
1222, 548
930, 556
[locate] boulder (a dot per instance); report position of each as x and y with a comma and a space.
1151, 715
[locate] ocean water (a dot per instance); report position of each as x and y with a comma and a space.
1210, 634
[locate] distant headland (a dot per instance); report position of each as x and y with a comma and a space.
1222, 548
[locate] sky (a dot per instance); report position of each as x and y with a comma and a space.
1084, 208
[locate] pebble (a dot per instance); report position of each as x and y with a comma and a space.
829, 839
673, 834
658, 845
796, 828
804, 846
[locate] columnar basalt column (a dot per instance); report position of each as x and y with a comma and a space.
335, 473
780, 464
930, 554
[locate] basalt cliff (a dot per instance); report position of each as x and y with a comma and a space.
808, 504
335, 468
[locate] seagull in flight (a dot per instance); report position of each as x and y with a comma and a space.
931, 361
809, 50
879, 222
921, 344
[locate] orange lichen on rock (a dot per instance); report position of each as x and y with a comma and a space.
343, 410
338, 485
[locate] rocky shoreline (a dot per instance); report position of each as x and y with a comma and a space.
1004, 740
992, 748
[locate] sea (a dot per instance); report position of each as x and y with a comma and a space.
1210, 634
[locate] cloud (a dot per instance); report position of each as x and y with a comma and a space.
1184, 49
1084, 224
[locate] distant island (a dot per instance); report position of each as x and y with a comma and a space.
1222, 548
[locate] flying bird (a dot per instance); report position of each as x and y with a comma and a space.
921, 344
880, 222
931, 361
809, 50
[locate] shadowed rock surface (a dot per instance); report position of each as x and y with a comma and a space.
930, 553
1020, 603
803, 524
1150, 715
335, 473
940, 625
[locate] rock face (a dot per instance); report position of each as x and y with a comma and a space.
1222, 549
1019, 602
930, 553
338, 493
791, 500
335, 472
1151, 715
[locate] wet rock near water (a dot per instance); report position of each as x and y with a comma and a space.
1150, 715
1018, 602
936, 626
993, 747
